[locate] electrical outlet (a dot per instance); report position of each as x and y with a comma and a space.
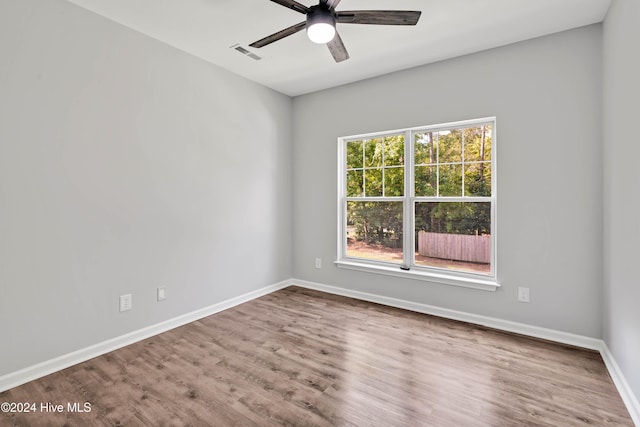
523, 294
162, 293
126, 302
318, 262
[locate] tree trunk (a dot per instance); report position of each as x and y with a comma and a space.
366, 232
431, 147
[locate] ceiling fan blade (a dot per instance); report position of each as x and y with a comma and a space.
331, 4
292, 4
379, 17
279, 35
337, 49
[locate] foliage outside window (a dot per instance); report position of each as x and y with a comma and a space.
420, 199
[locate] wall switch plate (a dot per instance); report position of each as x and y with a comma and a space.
523, 294
162, 293
318, 262
126, 302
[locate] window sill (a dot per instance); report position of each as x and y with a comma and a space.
446, 279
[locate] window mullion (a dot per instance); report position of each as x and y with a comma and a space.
436, 145
364, 170
408, 221
462, 165
342, 196
382, 145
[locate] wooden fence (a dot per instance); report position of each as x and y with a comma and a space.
457, 247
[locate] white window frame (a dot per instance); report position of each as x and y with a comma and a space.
409, 269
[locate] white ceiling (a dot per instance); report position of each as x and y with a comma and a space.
294, 66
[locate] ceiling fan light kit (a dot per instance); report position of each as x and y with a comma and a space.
321, 23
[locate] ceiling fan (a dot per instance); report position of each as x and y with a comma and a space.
321, 23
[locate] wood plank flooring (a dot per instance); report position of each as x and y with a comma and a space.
299, 357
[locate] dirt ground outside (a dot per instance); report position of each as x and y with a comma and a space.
358, 249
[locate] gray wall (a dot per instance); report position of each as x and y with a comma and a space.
621, 187
546, 94
126, 165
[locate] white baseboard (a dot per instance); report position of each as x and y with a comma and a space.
629, 398
40, 370
616, 374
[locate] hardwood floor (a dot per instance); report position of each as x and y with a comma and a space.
299, 357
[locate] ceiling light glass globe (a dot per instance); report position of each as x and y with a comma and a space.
321, 32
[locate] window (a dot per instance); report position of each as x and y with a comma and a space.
421, 202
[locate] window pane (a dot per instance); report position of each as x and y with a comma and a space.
450, 180
355, 186
394, 182
424, 149
477, 144
454, 236
450, 146
354, 155
374, 231
477, 179
373, 152
426, 181
394, 150
373, 182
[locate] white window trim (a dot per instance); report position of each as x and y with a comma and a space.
434, 275
393, 270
